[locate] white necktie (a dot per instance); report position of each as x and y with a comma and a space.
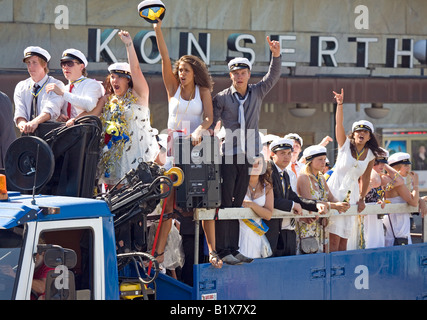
242, 122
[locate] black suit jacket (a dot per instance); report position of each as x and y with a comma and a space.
283, 198
283, 201
7, 126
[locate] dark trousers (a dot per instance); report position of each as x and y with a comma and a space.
282, 242
187, 235
235, 180
188, 247
287, 241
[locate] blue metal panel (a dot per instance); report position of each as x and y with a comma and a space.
14, 211
170, 289
382, 273
296, 277
11, 214
110, 260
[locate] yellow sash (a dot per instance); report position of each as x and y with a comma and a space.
258, 229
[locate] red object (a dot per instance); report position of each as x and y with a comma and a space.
107, 138
293, 169
69, 104
157, 235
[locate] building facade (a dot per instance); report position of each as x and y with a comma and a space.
369, 48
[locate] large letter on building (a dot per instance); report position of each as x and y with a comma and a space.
140, 40
188, 44
327, 54
98, 45
233, 44
407, 53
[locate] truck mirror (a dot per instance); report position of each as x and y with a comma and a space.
56, 256
60, 282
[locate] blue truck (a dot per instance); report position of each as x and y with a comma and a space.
76, 236
86, 227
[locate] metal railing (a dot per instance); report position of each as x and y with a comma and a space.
246, 213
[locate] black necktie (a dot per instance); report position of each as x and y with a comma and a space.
286, 186
282, 178
34, 112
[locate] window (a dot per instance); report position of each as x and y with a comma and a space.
80, 241
11, 241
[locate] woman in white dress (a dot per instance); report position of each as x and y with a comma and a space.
260, 198
398, 225
356, 157
383, 178
128, 135
312, 184
189, 86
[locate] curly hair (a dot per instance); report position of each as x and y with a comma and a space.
202, 77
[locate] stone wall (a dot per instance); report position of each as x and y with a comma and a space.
25, 22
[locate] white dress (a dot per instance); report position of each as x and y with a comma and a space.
185, 115
141, 146
345, 177
372, 225
251, 244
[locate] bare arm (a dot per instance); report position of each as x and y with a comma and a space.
31, 126
265, 212
365, 182
339, 116
206, 97
140, 84
171, 83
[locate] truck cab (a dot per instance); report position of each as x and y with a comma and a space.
80, 225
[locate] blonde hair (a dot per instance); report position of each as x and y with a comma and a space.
44, 64
307, 168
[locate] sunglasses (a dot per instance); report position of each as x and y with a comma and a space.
68, 63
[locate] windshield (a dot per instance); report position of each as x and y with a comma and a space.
10, 249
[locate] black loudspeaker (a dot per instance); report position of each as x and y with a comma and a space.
65, 159
200, 164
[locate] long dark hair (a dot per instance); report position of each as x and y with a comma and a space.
265, 178
372, 144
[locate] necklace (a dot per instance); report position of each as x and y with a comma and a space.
188, 104
254, 188
35, 94
358, 155
319, 183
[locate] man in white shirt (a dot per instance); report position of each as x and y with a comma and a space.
33, 104
81, 94
295, 166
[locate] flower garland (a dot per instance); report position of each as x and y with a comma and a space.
115, 131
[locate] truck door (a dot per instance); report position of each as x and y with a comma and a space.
85, 238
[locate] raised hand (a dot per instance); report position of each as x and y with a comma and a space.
339, 97
125, 37
274, 47
158, 24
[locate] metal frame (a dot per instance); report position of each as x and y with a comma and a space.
246, 213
